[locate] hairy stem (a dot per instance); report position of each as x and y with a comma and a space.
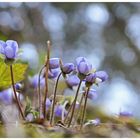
80, 106
73, 108
68, 112
46, 77
84, 109
63, 112
54, 98
39, 94
16, 98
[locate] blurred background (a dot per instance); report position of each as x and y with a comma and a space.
108, 34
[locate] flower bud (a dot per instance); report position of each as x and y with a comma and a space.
18, 86
30, 117
126, 114
53, 73
91, 78
102, 75
35, 79
59, 110
83, 66
80, 59
72, 80
48, 103
9, 49
95, 122
92, 94
6, 96
67, 68
54, 63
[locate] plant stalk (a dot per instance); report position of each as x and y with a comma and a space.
84, 109
68, 112
80, 106
73, 108
39, 94
54, 98
16, 98
46, 77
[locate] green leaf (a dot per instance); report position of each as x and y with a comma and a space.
5, 76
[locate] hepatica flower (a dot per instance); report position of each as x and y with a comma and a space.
95, 122
58, 111
34, 81
102, 75
30, 117
18, 86
54, 63
53, 73
92, 94
80, 59
91, 78
9, 49
72, 80
83, 66
126, 114
48, 103
68, 68
6, 96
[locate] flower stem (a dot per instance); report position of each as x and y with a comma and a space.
39, 94
54, 98
46, 77
71, 108
16, 98
80, 106
63, 112
68, 112
84, 109
74, 103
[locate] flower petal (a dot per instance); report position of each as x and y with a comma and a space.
54, 63
13, 44
2, 46
9, 52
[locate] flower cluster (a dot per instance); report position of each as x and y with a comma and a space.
74, 74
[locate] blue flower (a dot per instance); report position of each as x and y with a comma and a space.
83, 66
92, 94
30, 117
54, 63
68, 68
59, 109
9, 49
80, 59
126, 114
102, 75
72, 80
95, 122
53, 73
91, 78
34, 81
6, 96
18, 86
48, 103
